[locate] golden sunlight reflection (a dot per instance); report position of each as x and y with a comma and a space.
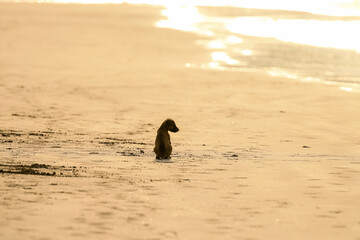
346, 89
325, 7
281, 73
247, 42
223, 57
213, 65
343, 86
246, 52
335, 34
185, 16
180, 17
216, 44
210, 65
298, 43
233, 40
222, 43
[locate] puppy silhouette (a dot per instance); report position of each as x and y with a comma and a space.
163, 146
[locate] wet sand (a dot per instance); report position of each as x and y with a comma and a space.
83, 90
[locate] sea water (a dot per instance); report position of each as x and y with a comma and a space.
304, 40
308, 41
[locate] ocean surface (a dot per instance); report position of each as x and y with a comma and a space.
302, 40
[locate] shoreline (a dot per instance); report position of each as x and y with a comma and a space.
84, 89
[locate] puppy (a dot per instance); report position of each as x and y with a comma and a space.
163, 146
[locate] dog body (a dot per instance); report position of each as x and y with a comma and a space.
163, 146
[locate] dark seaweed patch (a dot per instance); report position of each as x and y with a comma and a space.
39, 169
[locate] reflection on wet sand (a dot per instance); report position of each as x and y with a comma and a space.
242, 37
322, 24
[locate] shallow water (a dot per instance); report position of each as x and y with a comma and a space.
299, 40
295, 45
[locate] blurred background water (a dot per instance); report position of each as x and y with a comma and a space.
305, 40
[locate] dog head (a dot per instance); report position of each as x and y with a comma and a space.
170, 125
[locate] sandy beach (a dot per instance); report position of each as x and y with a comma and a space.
83, 91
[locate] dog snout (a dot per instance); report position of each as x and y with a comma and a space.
175, 129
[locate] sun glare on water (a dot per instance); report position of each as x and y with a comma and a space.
225, 35
326, 7
181, 18
336, 34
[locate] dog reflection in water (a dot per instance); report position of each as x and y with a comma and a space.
163, 146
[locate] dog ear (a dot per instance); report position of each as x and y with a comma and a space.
168, 123
173, 125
